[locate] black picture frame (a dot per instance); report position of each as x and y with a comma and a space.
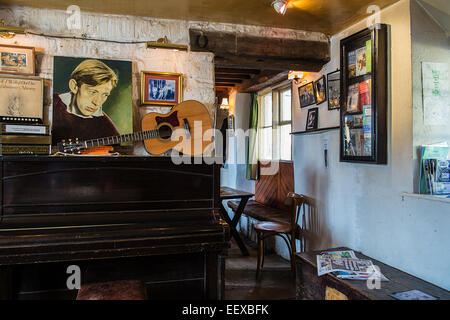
312, 120
320, 88
364, 96
334, 90
307, 95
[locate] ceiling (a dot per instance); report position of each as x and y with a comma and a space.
326, 16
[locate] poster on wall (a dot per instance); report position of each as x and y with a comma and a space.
21, 99
436, 98
92, 98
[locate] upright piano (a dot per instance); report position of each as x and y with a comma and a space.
116, 218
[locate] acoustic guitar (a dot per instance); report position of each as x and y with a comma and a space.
182, 129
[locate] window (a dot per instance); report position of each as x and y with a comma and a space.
265, 127
275, 125
285, 125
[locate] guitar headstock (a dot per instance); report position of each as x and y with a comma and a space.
71, 146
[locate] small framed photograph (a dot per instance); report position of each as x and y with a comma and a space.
160, 88
313, 119
321, 90
17, 60
307, 95
21, 99
334, 90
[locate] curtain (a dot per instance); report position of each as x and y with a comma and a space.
252, 147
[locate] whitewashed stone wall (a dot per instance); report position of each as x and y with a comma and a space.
124, 39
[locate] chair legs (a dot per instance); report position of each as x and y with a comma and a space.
290, 242
260, 262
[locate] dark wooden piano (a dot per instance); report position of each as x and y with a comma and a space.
116, 218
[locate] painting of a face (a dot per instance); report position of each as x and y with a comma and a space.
89, 99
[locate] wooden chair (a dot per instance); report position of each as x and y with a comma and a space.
287, 231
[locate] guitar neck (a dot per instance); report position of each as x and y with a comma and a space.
136, 136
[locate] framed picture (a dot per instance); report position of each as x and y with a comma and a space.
17, 60
334, 90
160, 88
321, 90
307, 95
92, 98
313, 119
21, 99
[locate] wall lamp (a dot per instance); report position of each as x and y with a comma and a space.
225, 105
280, 6
163, 43
9, 32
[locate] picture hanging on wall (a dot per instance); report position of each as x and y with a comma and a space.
334, 90
161, 88
321, 90
92, 98
312, 119
307, 95
21, 99
17, 60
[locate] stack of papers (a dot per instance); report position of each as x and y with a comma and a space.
345, 265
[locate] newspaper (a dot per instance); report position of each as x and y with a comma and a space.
345, 265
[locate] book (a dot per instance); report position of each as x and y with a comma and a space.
353, 98
361, 61
367, 130
365, 93
368, 56
17, 149
11, 128
434, 170
25, 139
352, 64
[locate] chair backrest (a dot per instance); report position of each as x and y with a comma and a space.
297, 206
302, 207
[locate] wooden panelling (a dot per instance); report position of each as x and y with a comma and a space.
272, 190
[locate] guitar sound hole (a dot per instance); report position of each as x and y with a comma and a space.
165, 132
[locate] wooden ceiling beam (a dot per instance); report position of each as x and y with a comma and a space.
225, 70
267, 78
236, 50
232, 76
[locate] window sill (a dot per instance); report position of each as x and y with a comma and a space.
444, 198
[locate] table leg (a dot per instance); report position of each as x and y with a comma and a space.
234, 232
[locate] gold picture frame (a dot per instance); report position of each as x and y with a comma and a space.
17, 60
21, 99
161, 88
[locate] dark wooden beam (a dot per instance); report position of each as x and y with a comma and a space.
225, 70
234, 50
225, 84
229, 80
267, 78
232, 76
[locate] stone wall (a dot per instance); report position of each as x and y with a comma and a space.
123, 38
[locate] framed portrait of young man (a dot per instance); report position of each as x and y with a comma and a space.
92, 98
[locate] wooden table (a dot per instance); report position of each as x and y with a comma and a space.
312, 287
228, 194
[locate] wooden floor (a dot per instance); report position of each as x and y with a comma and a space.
276, 282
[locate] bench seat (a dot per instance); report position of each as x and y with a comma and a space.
262, 212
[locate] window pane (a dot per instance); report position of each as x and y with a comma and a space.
286, 143
285, 107
267, 111
266, 144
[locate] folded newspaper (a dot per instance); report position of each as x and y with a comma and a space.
345, 265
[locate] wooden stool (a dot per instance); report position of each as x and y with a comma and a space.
116, 290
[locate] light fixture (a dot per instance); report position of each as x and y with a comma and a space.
163, 43
225, 104
280, 6
9, 32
